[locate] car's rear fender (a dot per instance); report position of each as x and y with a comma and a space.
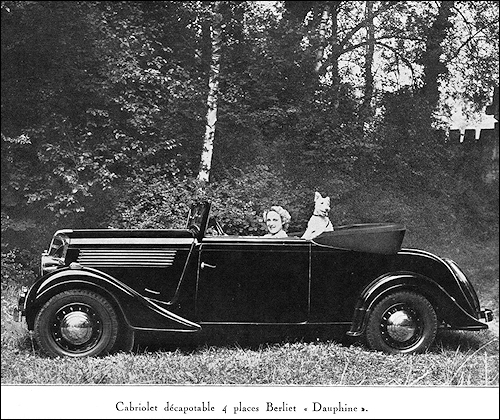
446, 307
136, 310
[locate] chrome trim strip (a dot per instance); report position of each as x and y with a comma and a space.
152, 291
163, 329
101, 257
129, 264
255, 239
274, 323
131, 241
170, 315
131, 251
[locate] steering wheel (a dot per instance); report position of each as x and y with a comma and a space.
194, 229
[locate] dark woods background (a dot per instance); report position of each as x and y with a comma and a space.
104, 108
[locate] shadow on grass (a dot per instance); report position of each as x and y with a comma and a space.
255, 338
18, 340
455, 341
466, 341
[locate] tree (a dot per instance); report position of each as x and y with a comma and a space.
471, 55
101, 98
211, 119
346, 21
434, 68
104, 91
366, 108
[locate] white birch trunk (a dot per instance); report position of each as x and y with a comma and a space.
322, 40
213, 84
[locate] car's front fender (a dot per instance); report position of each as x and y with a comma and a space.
138, 311
447, 309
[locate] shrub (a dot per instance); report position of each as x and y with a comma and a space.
16, 268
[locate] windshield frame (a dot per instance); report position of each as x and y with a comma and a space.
197, 219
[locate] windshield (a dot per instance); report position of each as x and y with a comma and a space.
197, 218
59, 245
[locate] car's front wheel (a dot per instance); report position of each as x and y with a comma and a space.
403, 322
76, 323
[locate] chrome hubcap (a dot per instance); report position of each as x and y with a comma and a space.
76, 328
401, 326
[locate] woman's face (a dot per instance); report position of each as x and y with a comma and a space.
273, 222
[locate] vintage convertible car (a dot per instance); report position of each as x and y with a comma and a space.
99, 288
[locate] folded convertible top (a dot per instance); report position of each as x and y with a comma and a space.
379, 238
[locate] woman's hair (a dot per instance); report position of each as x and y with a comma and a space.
285, 216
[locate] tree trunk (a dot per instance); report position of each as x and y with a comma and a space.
336, 52
213, 84
431, 59
322, 40
366, 108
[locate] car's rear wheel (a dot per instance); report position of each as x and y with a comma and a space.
403, 322
76, 323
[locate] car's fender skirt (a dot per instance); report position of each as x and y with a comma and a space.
447, 309
137, 311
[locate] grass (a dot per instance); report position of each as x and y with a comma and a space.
299, 363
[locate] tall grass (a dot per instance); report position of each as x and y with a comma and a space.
299, 363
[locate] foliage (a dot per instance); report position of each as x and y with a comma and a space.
103, 115
16, 268
92, 108
471, 53
238, 204
412, 149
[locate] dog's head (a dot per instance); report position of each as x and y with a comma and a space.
321, 205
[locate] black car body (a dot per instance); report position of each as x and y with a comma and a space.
98, 288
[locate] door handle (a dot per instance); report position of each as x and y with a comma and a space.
204, 264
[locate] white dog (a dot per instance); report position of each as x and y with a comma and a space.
319, 221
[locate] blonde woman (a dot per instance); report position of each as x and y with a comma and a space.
277, 220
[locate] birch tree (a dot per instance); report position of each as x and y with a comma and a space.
213, 84
341, 27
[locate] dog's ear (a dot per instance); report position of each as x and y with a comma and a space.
317, 196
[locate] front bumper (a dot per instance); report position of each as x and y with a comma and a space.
18, 311
486, 315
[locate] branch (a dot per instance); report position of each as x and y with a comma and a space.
362, 23
469, 40
396, 52
363, 43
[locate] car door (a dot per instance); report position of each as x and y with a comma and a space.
338, 276
253, 280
